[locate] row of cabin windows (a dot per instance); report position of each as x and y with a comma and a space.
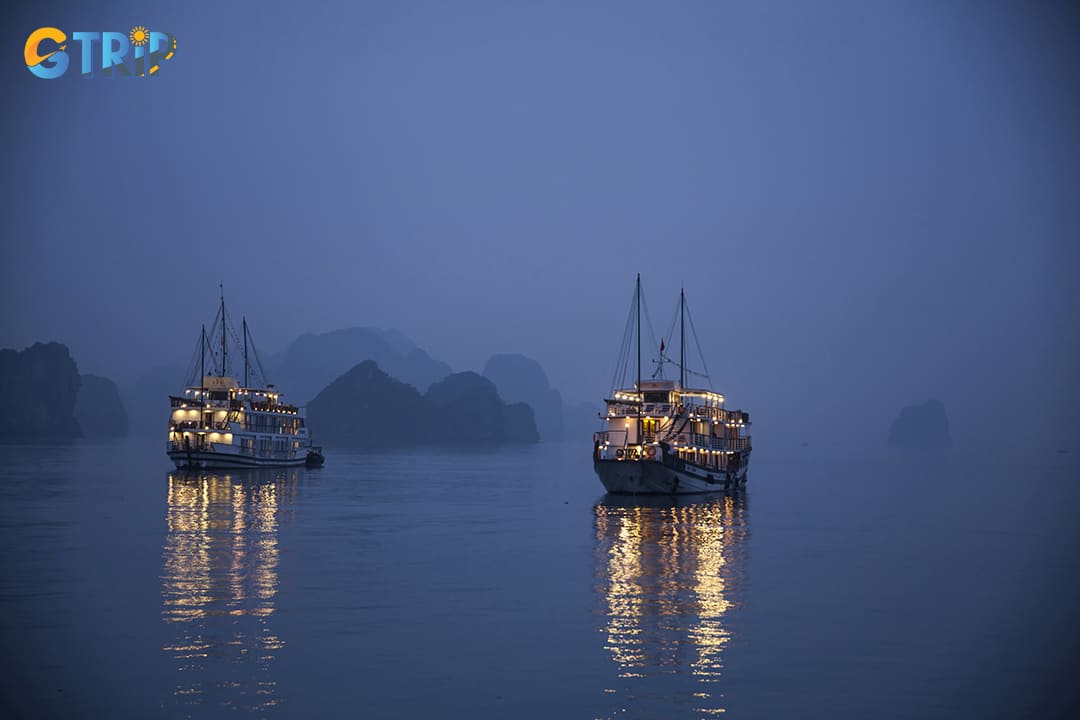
714, 461
268, 446
699, 427
272, 423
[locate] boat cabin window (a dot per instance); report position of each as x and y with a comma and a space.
219, 394
656, 397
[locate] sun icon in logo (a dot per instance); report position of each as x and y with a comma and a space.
138, 35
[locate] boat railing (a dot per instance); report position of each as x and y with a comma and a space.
205, 447
197, 425
710, 442
647, 409
613, 437
718, 414
187, 425
700, 440
283, 408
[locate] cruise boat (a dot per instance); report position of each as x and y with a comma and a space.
666, 436
220, 422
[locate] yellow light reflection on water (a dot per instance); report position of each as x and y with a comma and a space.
219, 583
666, 572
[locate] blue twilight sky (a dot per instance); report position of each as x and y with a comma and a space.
869, 203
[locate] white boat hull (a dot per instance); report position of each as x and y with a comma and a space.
186, 460
648, 477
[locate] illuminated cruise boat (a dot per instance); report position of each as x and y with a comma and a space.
662, 436
221, 423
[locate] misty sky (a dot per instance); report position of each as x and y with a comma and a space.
869, 204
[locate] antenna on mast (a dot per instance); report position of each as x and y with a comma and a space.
224, 349
245, 353
682, 338
641, 395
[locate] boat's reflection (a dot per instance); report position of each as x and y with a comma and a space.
668, 571
219, 583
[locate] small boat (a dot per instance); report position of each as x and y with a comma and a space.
315, 458
220, 422
662, 436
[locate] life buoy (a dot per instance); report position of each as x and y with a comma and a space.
636, 455
650, 452
619, 454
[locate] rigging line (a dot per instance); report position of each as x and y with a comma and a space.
237, 344
210, 345
189, 376
621, 364
618, 377
671, 328
258, 362
628, 342
648, 321
693, 331
256, 368
663, 359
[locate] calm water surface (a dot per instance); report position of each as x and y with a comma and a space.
505, 584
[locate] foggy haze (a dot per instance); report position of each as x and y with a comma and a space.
869, 204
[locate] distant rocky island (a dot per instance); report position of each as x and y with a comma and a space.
314, 360
367, 409
924, 427
98, 408
512, 400
50, 401
522, 379
311, 362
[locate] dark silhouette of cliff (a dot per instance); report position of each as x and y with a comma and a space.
923, 427
521, 379
366, 408
311, 361
98, 408
306, 366
39, 386
467, 409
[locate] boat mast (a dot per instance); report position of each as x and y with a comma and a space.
245, 353
682, 338
224, 351
202, 359
641, 396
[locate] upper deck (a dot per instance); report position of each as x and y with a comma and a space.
220, 404
664, 399
691, 418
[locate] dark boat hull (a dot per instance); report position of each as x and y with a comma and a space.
194, 460
649, 477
